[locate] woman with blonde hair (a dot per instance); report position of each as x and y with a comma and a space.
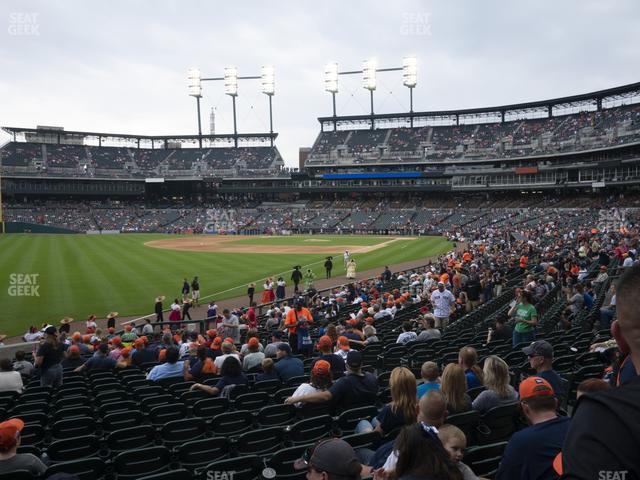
403, 407
496, 380
454, 389
468, 359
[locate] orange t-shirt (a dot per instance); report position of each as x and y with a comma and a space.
292, 323
523, 261
466, 257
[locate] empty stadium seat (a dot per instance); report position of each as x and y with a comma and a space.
282, 462
274, 415
260, 442
199, 453
310, 430
185, 429
231, 423
86, 469
74, 448
497, 424
136, 463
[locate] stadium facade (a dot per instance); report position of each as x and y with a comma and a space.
564, 146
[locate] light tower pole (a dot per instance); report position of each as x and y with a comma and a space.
195, 90
331, 86
410, 80
268, 80
369, 82
231, 89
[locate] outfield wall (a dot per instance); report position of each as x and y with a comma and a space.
24, 227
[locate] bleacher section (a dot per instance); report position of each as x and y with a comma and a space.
516, 138
117, 162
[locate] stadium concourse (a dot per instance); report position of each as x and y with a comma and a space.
458, 332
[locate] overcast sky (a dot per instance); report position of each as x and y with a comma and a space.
120, 66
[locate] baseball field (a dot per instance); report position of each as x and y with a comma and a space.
47, 277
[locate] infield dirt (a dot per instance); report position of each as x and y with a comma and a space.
228, 245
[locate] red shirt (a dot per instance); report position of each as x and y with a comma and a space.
252, 321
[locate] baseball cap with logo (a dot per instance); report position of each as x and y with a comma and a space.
354, 359
539, 348
343, 342
324, 342
333, 456
534, 387
322, 368
9, 433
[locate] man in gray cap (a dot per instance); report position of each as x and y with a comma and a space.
331, 459
540, 354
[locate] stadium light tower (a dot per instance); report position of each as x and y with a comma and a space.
195, 90
231, 89
331, 86
268, 80
369, 81
410, 79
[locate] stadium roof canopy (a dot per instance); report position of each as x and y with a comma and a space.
607, 98
47, 134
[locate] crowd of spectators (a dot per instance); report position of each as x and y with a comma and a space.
515, 138
512, 322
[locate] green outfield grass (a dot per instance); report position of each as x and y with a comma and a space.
82, 274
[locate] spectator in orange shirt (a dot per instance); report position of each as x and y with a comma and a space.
466, 257
523, 261
294, 316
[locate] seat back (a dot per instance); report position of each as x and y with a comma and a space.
179, 474
231, 423
484, 460
251, 401
199, 453
311, 429
131, 438
467, 422
269, 386
144, 461
85, 469
273, 415
348, 419
73, 427
74, 448
117, 420
210, 407
183, 430
162, 414
282, 462
260, 442
497, 424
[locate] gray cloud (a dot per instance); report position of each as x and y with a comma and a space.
121, 66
